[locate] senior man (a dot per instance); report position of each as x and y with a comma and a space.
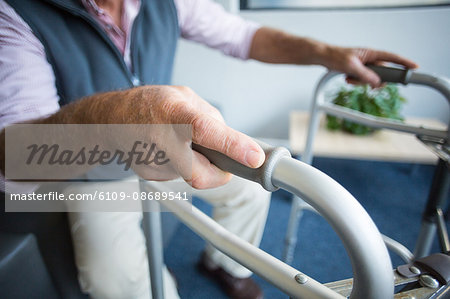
110, 62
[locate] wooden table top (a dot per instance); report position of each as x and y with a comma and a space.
385, 145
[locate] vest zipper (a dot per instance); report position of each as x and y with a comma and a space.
136, 80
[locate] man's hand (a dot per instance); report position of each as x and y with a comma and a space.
352, 61
275, 46
180, 105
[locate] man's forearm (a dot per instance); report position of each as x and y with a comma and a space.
275, 46
102, 108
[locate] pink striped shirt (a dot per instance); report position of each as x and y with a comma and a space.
27, 81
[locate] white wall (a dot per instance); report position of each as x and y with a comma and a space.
256, 98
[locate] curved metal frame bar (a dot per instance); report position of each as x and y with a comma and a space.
370, 260
255, 259
372, 268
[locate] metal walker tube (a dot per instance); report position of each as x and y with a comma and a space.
369, 257
351, 222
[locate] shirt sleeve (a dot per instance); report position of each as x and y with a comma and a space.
207, 22
27, 81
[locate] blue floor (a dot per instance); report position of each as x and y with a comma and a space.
394, 195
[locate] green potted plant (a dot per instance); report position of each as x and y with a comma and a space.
383, 102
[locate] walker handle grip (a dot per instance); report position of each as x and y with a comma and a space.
261, 175
391, 74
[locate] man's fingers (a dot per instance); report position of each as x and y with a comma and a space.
394, 58
213, 134
363, 74
351, 80
206, 175
209, 130
356, 64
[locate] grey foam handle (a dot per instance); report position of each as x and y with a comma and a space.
261, 175
391, 74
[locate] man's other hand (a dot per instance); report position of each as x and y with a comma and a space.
352, 61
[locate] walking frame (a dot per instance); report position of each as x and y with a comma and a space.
436, 140
372, 268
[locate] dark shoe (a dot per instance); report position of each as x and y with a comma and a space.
236, 288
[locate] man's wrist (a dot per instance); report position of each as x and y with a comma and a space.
310, 51
321, 54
